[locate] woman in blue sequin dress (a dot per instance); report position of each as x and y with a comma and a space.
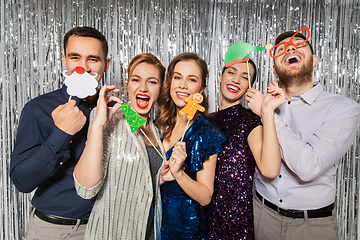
249, 144
189, 174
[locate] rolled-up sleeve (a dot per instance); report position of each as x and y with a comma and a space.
87, 193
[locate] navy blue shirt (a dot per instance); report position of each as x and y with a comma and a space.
44, 157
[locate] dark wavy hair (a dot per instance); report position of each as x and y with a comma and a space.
167, 109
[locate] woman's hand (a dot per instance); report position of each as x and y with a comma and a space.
254, 100
177, 159
274, 98
165, 174
103, 112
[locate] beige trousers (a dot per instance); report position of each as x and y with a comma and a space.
269, 225
38, 229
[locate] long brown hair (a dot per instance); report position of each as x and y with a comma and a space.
167, 117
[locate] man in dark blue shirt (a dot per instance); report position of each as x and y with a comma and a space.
50, 139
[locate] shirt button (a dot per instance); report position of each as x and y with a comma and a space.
61, 163
289, 102
280, 176
70, 141
280, 200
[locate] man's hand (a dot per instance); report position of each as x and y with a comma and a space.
69, 118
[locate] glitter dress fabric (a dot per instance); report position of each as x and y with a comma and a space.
231, 210
183, 217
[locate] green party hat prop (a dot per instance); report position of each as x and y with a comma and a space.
239, 52
132, 117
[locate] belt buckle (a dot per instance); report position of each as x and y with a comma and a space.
287, 212
293, 213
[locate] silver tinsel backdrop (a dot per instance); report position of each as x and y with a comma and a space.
31, 48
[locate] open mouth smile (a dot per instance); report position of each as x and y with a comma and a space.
181, 95
142, 100
292, 59
232, 88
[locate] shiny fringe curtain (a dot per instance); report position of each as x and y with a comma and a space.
31, 48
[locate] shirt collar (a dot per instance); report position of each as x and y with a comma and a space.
310, 96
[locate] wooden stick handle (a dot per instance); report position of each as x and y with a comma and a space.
247, 65
273, 76
69, 98
153, 145
187, 124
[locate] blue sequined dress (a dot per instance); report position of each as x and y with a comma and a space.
183, 217
231, 210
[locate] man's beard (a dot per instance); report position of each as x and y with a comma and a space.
295, 77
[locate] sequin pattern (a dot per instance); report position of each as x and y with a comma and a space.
183, 217
231, 211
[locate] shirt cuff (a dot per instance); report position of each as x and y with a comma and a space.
60, 139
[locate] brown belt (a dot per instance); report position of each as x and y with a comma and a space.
58, 220
317, 213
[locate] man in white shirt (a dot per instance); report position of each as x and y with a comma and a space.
315, 128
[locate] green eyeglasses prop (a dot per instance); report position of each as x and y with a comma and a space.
280, 48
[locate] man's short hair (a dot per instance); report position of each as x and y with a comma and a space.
87, 32
253, 79
290, 34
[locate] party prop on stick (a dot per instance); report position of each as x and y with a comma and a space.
80, 83
135, 122
191, 107
239, 52
132, 117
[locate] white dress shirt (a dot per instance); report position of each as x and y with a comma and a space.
314, 130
